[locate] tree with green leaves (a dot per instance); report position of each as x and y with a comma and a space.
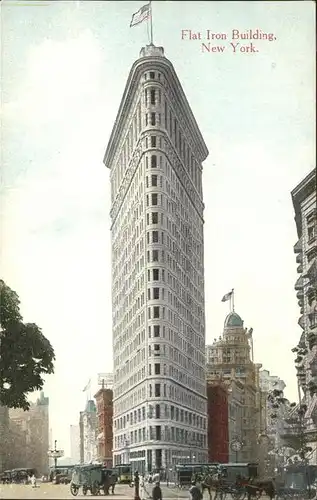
294, 431
26, 355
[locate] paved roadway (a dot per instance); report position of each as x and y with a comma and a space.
51, 491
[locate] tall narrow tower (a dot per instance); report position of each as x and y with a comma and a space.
155, 156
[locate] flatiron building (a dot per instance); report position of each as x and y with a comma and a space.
155, 155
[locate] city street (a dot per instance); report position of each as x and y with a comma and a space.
52, 491
49, 490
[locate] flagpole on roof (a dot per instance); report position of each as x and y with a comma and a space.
151, 25
232, 299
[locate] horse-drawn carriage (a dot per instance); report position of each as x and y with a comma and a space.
93, 478
183, 476
239, 481
186, 473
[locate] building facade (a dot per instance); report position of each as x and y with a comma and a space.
104, 403
304, 202
75, 444
229, 361
218, 422
155, 156
88, 429
4, 438
29, 436
273, 416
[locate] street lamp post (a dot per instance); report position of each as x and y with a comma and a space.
55, 454
137, 486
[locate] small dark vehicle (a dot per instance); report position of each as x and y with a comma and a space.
62, 478
93, 478
5, 477
21, 475
297, 481
184, 476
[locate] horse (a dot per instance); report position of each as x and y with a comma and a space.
212, 482
257, 487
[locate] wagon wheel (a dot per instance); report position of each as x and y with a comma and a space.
95, 489
74, 489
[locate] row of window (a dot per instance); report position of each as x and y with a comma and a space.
122, 335
154, 119
161, 312
158, 411
156, 255
129, 142
157, 433
184, 366
182, 353
139, 300
152, 96
154, 181
175, 393
155, 201
140, 263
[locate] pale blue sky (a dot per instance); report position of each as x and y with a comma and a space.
64, 68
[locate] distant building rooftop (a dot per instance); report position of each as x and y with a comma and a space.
233, 320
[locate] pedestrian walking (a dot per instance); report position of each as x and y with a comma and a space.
143, 491
157, 492
195, 492
156, 477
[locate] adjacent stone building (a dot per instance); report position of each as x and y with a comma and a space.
75, 444
229, 361
29, 436
155, 156
273, 423
88, 429
218, 422
104, 402
304, 201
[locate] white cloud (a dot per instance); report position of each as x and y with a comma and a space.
61, 76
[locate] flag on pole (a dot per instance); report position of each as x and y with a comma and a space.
87, 386
227, 296
141, 15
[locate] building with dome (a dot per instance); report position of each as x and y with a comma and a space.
155, 156
229, 363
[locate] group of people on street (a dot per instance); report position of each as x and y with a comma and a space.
156, 490
195, 492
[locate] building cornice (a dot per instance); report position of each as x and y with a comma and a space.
304, 189
145, 64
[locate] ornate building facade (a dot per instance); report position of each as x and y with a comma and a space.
29, 436
88, 428
304, 201
155, 155
273, 416
229, 361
